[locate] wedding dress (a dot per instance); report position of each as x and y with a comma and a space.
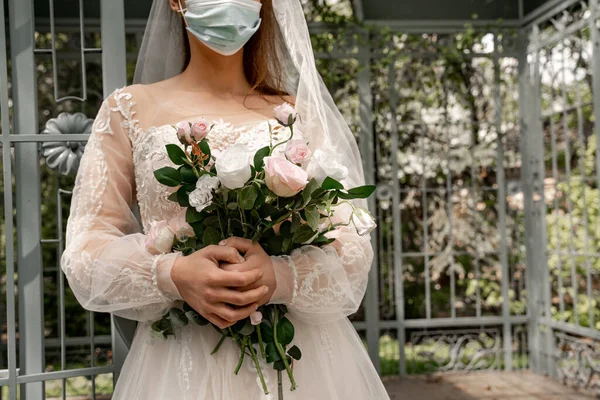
110, 270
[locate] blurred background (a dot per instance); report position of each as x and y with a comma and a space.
477, 120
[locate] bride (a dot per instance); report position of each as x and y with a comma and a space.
234, 63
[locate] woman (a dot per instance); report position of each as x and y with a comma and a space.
234, 63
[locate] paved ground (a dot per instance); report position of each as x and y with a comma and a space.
487, 386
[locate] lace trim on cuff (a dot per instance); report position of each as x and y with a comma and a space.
292, 266
155, 262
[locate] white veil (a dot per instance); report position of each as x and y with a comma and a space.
163, 53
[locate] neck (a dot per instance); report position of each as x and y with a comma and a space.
214, 72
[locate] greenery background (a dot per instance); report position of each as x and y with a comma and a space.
453, 105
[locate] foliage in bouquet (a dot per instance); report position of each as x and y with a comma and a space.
282, 196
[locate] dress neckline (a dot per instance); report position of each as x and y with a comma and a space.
220, 122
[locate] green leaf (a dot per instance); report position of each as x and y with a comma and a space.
247, 329
211, 236
248, 197
280, 366
303, 234
285, 229
312, 217
176, 154
178, 317
204, 146
191, 215
295, 353
331, 184
361, 192
173, 197
267, 331
168, 176
275, 245
308, 191
232, 206
183, 197
285, 331
271, 353
259, 157
187, 174
212, 221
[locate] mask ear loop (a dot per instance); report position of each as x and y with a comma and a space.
182, 12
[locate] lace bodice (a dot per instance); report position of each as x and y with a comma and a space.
149, 154
106, 261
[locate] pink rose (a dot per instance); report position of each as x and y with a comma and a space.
200, 129
180, 226
284, 178
256, 318
283, 114
160, 238
184, 132
297, 152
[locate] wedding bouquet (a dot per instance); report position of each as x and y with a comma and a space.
282, 197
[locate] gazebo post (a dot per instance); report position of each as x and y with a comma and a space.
532, 150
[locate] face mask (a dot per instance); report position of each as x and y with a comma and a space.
225, 26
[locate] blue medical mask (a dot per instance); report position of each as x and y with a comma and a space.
225, 26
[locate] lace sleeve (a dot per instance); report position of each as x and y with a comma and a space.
105, 259
325, 284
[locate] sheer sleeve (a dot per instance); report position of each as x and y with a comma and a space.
105, 259
325, 284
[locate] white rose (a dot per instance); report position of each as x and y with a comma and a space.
202, 196
363, 221
233, 166
163, 242
324, 163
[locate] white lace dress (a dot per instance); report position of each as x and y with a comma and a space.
110, 270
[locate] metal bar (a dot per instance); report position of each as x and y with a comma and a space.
61, 290
533, 171
595, 65
28, 198
425, 234
586, 242
546, 11
556, 210
366, 147
574, 280
446, 322
398, 267
569, 30
501, 204
31, 138
114, 75
449, 209
47, 376
573, 329
11, 340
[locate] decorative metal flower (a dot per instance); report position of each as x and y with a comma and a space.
65, 156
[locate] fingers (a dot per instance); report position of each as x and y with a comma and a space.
235, 278
218, 321
241, 244
223, 253
242, 298
234, 314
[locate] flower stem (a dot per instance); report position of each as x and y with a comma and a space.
258, 368
282, 143
260, 342
281, 351
219, 344
243, 348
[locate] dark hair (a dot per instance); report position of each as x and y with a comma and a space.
262, 55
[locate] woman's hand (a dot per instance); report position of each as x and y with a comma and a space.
256, 258
212, 291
